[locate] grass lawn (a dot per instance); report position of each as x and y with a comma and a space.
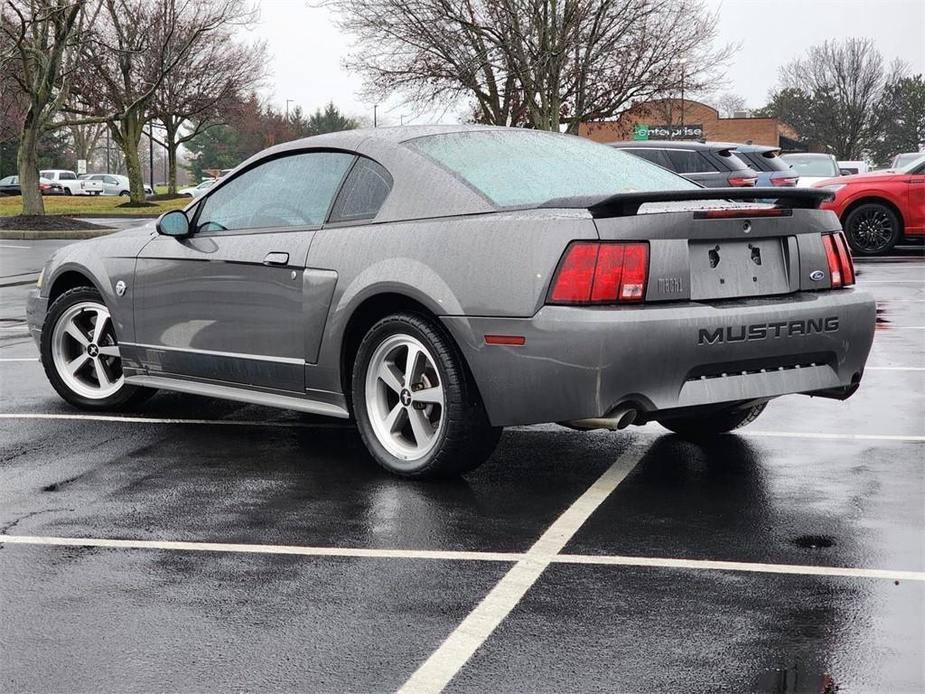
91, 206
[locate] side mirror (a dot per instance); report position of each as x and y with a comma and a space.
174, 223
845, 172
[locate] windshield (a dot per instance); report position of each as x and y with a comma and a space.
903, 160
812, 164
526, 167
912, 164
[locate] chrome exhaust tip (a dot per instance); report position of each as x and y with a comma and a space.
616, 419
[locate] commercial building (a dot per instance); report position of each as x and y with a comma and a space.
674, 119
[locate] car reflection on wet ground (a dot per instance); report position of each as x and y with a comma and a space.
205, 545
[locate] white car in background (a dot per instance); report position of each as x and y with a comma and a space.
114, 184
854, 166
197, 191
812, 167
70, 184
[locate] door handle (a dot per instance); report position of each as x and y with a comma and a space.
276, 258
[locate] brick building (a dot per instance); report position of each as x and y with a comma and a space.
664, 120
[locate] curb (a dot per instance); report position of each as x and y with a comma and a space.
33, 235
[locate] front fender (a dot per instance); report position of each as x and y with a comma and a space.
103, 261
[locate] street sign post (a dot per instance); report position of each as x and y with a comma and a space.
81, 166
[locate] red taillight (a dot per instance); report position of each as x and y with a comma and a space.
838, 258
601, 273
844, 259
575, 278
785, 181
740, 181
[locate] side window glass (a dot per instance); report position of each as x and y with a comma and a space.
291, 191
364, 191
689, 162
656, 156
67, 176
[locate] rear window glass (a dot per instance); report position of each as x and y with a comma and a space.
813, 165
731, 160
525, 167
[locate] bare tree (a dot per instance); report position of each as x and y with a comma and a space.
840, 84
728, 103
40, 48
136, 45
216, 73
85, 139
541, 63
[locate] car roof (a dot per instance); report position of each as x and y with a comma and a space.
672, 144
411, 170
759, 149
809, 154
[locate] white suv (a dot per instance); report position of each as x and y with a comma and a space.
70, 184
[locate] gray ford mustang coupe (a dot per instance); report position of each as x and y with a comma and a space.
440, 283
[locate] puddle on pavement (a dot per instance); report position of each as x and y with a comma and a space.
814, 541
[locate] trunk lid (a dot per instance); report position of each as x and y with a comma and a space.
700, 253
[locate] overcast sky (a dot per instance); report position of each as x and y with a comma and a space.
307, 49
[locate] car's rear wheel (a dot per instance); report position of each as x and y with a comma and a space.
416, 408
872, 229
80, 353
708, 424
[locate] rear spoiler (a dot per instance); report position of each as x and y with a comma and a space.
628, 204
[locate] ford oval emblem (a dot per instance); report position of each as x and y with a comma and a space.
817, 275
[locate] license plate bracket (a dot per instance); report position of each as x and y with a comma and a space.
724, 269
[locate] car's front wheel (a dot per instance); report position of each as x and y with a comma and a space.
416, 408
708, 424
872, 229
80, 353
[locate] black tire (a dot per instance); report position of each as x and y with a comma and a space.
125, 398
872, 229
705, 425
465, 438
124, 194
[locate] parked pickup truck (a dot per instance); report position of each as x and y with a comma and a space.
70, 184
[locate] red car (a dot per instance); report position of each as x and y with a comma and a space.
879, 209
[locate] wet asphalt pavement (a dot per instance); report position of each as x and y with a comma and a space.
341, 577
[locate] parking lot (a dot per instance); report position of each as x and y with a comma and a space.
201, 545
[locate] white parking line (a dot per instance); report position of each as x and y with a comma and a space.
164, 420
711, 565
4, 245
894, 368
863, 281
172, 545
2, 359
443, 664
647, 430
830, 437
473, 556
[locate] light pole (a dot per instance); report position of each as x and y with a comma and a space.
375, 121
151, 154
683, 62
288, 101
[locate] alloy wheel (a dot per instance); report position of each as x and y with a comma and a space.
404, 397
872, 230
85, 351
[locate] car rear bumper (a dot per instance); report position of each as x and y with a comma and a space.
579, 363
36, 307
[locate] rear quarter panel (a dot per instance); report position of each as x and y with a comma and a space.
496, 264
